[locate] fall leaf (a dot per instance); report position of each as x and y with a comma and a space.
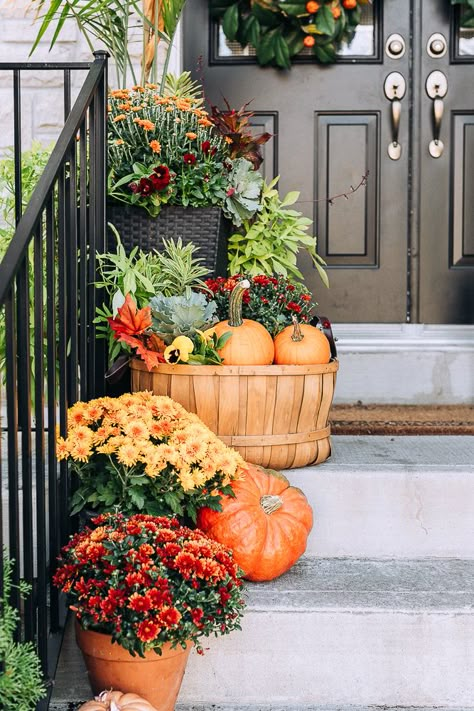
130, 320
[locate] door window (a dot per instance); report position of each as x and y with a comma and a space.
364, 44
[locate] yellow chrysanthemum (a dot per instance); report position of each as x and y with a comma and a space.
128, 454
62, 448
81, 451
136, 429
186, 480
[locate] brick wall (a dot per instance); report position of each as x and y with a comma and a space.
42, 93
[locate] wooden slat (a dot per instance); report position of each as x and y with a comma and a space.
276, 416
276, 439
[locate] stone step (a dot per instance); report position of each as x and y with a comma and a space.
392, 497
342, 631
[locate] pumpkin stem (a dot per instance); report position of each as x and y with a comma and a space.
297, 336
270, 503
235, 303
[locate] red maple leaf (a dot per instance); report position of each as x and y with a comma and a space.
130, 324
130, 320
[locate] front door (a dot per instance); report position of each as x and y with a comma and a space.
402, 247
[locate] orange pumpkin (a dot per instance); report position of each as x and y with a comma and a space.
117, 701
266, 525
301, 344
250, 344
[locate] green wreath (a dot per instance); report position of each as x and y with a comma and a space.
280, 30
468, 15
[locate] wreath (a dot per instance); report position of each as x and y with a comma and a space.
468, 13
280, 30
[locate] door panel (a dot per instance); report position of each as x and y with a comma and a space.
447, 187
410, 228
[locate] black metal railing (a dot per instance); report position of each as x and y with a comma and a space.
47, 303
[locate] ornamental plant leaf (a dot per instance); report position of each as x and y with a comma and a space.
325, 21
230, 21
282, 54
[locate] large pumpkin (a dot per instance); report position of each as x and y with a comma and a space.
250, 344
117, 701
301, 344
266, 524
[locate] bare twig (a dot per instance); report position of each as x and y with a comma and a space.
347, 194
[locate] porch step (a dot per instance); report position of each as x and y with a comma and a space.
392, 497
342, 631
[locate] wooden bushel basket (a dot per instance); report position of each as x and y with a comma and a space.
274, 415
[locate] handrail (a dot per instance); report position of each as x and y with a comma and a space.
25, 228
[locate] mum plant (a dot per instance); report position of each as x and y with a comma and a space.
270, 300
166, 150
145, 453
148, 580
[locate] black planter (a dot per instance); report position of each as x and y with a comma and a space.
206, 227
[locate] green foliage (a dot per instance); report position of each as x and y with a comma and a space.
21, 684
183, 87
174, 271
33, 163
243, 196
163, 151
467, 12
108, 23
181, 315
269, 244
277, 30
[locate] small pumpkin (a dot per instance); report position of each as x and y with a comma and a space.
250, 344
301, 344
266, 525
117, 701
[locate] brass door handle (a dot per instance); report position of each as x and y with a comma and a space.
437, 88
395, 88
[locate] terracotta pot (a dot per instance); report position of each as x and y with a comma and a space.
109, 666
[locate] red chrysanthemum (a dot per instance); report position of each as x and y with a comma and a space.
189, 158
148, 630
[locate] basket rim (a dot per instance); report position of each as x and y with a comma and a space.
206, 370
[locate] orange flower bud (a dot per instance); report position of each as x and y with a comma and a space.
309, 41
312, 6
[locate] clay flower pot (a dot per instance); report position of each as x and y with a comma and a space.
109, 666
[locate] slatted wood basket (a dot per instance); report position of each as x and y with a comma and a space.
274, 415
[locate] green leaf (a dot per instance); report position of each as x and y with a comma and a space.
230, 22
325, 21
282, 53
266, 18
325, 53
251, 30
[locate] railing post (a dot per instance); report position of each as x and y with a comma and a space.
100, 159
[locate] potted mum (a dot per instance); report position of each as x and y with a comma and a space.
145, 453
145, 590
171, 173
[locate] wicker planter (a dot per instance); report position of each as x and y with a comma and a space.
206, 227
275, 415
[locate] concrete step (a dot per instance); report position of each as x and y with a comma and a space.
392, 497
342, 631
395, 633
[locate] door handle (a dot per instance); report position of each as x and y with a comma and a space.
395, 88
437, 88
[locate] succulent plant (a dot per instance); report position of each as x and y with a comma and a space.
181, 315
243, 197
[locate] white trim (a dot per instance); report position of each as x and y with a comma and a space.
402, 337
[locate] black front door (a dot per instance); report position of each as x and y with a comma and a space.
402, 248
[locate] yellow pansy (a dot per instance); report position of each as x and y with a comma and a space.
180, 349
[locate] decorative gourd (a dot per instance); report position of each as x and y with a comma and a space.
301, 344
250, 344
266, 525
117, 701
